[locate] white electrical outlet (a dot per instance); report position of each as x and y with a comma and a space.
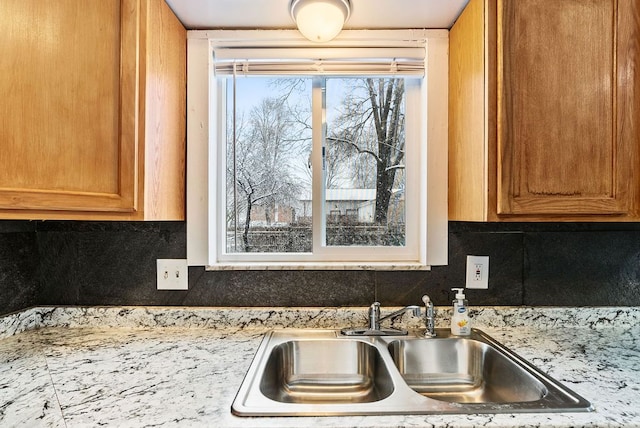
172, 274
477, 272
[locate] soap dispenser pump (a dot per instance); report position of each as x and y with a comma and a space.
460, 325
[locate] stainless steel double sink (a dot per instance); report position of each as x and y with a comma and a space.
321, 372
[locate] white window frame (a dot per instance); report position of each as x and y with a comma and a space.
203, 183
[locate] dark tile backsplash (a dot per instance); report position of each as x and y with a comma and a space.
114, 263
106, 263
19, 266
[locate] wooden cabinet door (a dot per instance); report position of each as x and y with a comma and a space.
68, 113
566, 126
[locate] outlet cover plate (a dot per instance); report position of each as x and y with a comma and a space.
477, 272
172, 274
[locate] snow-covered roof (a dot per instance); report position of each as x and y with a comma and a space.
346, 195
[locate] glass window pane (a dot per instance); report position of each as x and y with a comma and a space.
364, 157
268, 176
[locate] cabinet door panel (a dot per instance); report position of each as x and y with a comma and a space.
69, 108
559, 146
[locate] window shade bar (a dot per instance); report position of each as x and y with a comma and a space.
405, 61
353, 53
246, 68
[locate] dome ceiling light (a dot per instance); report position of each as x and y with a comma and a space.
320, 20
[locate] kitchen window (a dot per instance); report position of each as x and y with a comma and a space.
317, 156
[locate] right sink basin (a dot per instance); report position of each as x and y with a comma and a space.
478, 374
463, 370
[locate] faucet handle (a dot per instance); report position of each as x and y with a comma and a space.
429, 317
374, 316
428, 306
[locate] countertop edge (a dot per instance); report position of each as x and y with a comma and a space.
241, 318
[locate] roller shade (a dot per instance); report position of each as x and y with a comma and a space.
402, 59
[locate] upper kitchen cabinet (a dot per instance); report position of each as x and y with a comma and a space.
92, 115
544, 109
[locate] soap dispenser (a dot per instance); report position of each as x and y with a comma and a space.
460, 325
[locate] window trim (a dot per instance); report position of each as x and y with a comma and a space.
201, 120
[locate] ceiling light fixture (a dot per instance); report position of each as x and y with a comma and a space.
320, 20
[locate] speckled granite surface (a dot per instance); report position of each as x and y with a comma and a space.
85, 367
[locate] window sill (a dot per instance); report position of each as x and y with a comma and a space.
383, 266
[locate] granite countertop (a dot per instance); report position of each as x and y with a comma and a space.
138, 367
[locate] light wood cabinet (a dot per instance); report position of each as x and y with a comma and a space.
544, 111
92, 115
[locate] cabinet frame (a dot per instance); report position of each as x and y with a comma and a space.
124, 199
147, 174
486, 179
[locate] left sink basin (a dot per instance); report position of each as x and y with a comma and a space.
316, 372
325, 371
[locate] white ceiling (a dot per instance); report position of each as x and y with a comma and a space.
270, 14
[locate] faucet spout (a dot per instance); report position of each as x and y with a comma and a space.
415, 310
375, 319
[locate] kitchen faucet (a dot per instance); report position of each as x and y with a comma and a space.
375, 319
